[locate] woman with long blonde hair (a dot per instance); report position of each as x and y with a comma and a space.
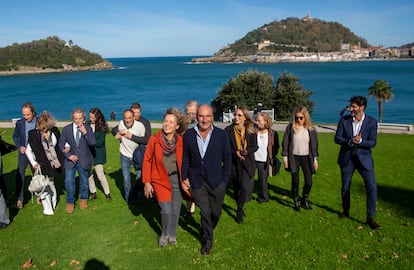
300, 149
243, 142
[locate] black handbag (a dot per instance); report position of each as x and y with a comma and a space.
275, 168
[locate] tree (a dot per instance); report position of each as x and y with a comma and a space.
247, 89
382, 93
289, 95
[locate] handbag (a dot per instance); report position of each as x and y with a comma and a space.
38, 183
275, 168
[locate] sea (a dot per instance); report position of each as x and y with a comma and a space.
158, 83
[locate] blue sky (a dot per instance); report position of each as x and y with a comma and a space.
129, 28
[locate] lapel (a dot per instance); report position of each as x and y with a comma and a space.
210, 143
349, 128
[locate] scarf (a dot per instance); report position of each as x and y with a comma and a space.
168, 146
239, 134
50, 150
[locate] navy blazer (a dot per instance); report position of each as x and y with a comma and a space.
343, 137
19, 134
83, 151
215, 167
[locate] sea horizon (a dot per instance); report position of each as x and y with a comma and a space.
169, 81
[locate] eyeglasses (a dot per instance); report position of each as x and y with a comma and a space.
299, 118
239, 115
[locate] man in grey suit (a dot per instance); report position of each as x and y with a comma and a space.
76, 142
357, 135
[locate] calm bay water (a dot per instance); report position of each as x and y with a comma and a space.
161, 82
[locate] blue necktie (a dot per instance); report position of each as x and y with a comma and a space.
78, 136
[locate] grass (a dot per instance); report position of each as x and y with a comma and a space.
109, 235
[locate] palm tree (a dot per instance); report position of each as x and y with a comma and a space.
382, 93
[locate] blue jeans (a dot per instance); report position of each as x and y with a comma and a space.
126, 164
70, 183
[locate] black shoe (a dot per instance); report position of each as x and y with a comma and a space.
372, 224
108, 196
240, 215
296, 206
3, 225
93, 196
261, 200
305, 204
343, 215
205, 251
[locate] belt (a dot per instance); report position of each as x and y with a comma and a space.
172, 173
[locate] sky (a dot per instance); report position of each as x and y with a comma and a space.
132, 28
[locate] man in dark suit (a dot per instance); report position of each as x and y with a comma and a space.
76, 142
206, 171
357, 135
20, 137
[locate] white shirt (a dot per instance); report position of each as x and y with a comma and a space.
127, 146
262, 143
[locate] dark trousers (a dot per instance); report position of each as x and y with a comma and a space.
210, 202
301, 161
370, 184
22, 163
262, 175
243, 186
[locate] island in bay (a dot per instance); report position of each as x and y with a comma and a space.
304, 39
48, 55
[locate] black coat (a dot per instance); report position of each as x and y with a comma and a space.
41, 158
249, 163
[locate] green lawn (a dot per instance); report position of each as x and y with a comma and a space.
273, 236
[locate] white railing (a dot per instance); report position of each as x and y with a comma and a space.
395, 126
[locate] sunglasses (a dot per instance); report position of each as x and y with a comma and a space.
299, 117
239, 115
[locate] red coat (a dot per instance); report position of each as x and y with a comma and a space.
153, 169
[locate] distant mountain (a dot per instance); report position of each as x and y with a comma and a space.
48, 55
293, 35
407, 46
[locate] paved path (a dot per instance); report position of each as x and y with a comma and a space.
281, 126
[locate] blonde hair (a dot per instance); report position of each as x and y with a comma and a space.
182, 119
45, 121
248, 123
307, 123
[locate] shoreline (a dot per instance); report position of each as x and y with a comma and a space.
278, 126
311, 58
27, 70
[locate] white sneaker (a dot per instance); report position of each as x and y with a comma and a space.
163, 240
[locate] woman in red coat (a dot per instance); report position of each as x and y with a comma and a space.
161, 172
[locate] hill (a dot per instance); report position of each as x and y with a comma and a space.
48, 55
293, 35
